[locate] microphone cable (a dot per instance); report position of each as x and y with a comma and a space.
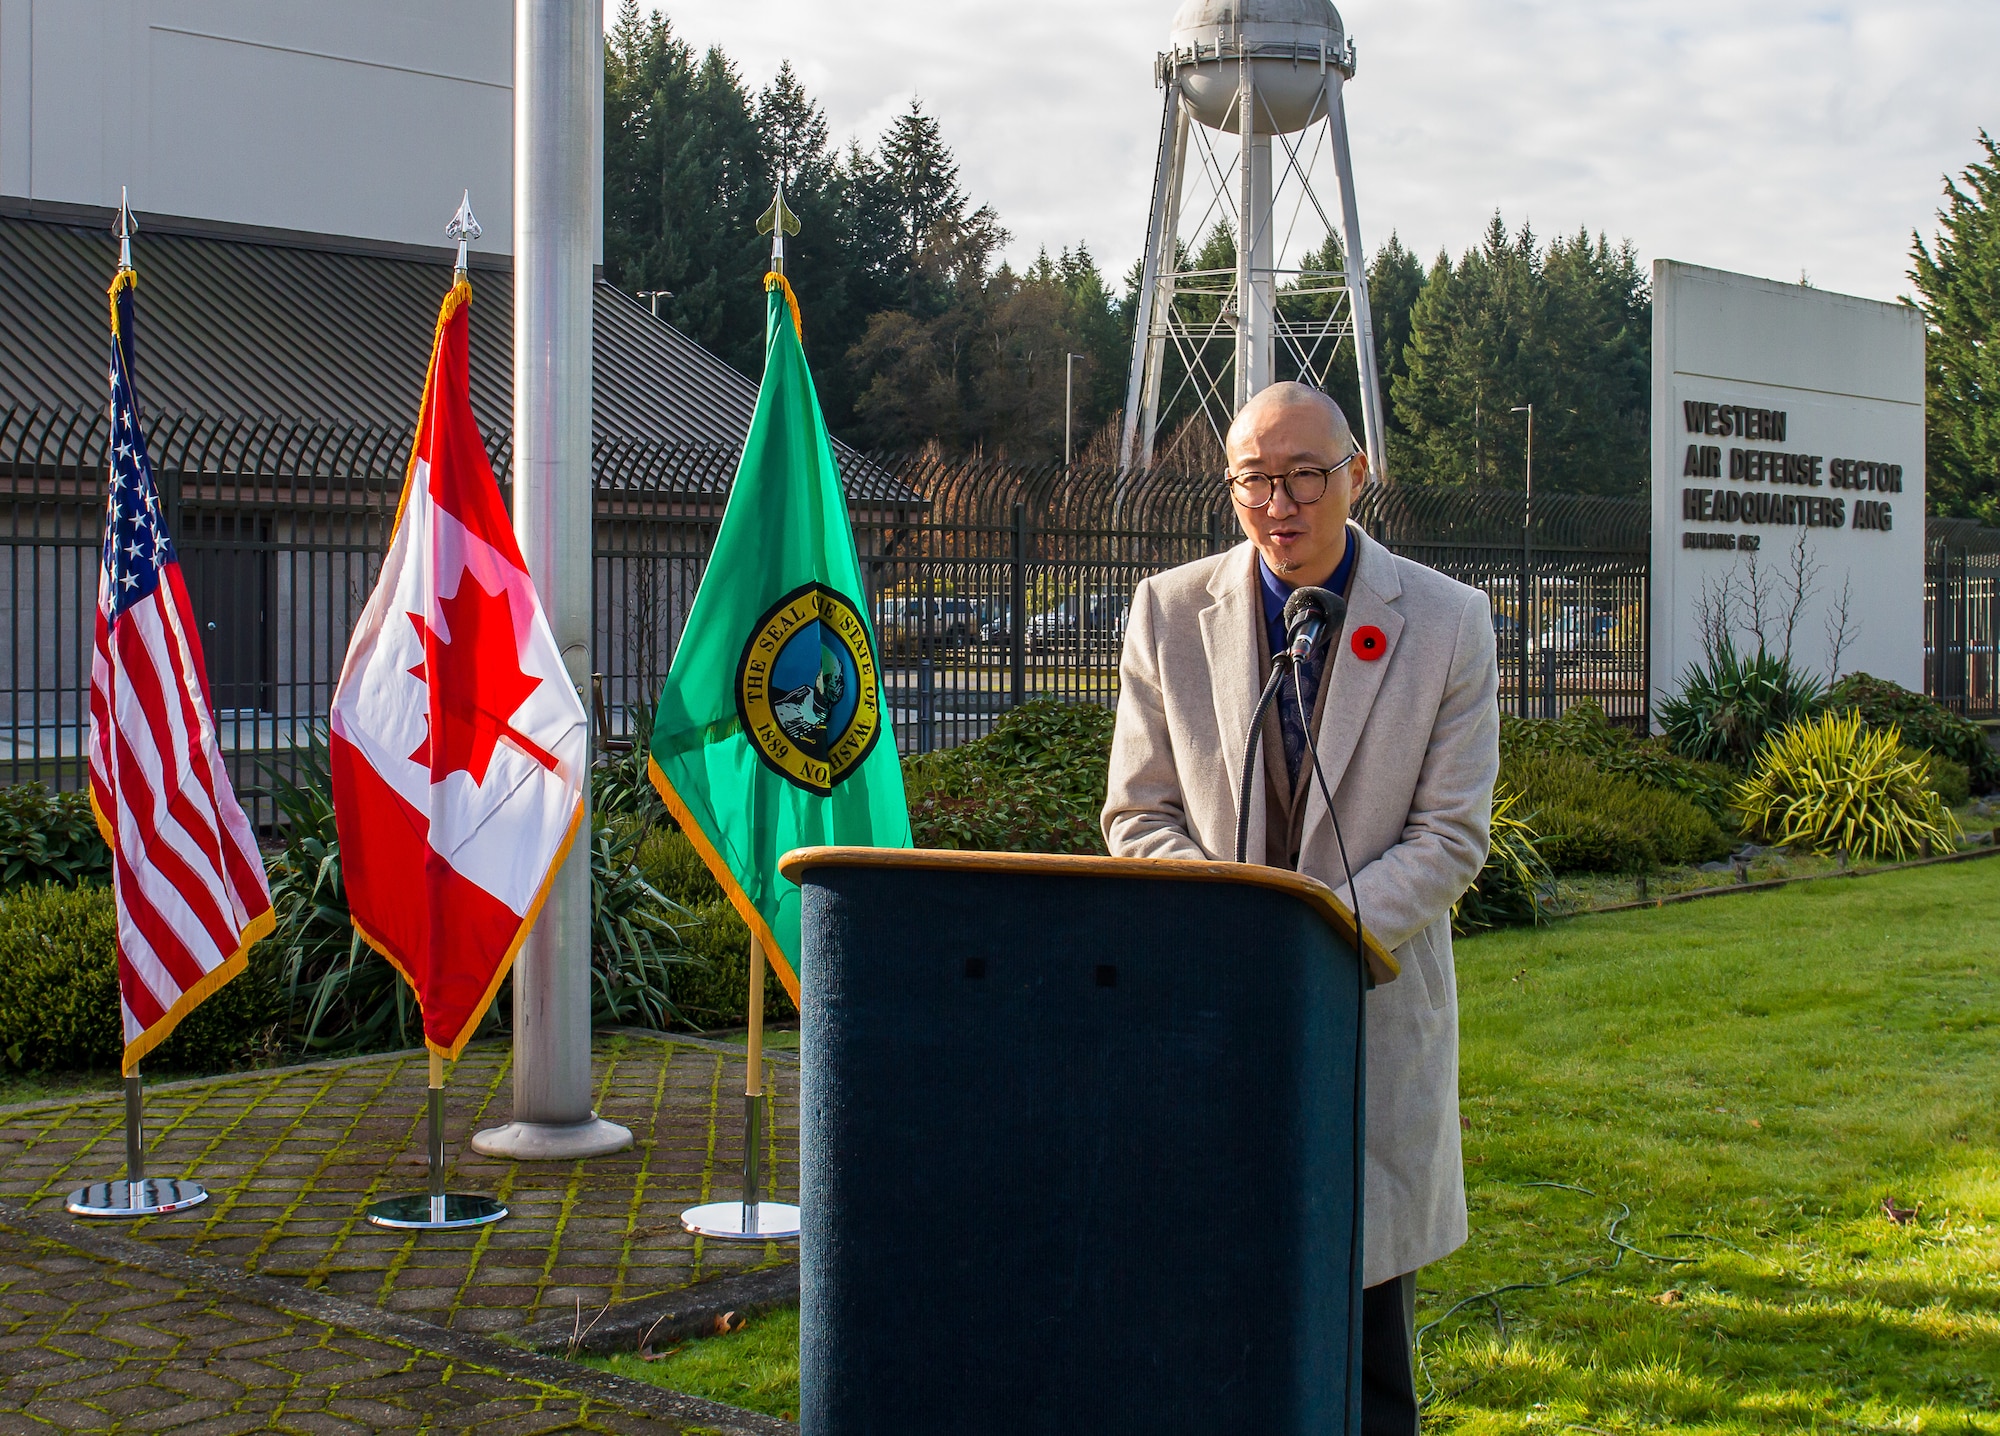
1312, 750
1363, 982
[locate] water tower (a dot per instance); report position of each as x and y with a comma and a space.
1252, 109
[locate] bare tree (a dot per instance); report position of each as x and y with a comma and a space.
1802, 582
1763, 605
1841, 629
1715, 615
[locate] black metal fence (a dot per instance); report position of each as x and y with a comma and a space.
989, 584
1962, 616
992, 584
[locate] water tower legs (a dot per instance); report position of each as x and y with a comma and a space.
1372, 408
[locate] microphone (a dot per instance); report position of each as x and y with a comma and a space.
1311, 616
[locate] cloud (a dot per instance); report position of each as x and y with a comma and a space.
1774, 139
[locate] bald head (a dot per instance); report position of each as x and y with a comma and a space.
1282, 430
1300, 408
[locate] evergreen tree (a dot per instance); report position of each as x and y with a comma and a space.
1958, 282
685, 180
1566, 329
941, 244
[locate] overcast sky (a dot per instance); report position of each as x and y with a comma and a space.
1773, 138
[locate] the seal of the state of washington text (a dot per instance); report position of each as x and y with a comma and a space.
808, 691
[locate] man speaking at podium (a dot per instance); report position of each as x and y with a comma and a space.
1404, 712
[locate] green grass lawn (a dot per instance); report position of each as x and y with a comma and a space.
1764, 1070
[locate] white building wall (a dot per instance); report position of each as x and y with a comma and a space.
361, 118
1848, 376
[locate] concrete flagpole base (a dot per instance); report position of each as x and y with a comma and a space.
552, 1141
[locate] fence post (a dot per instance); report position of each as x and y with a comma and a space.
1017, 613
1521, 633
926, 701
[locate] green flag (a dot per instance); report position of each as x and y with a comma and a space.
773, 732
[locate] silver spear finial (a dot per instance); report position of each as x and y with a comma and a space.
777, 221
464, 228
125, 226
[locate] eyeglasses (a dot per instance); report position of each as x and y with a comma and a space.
1302, 485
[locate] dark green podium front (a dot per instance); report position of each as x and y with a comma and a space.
1081, 1145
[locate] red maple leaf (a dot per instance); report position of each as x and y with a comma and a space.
476, 684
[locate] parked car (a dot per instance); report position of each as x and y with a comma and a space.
926, 625
1095, 620
1576, 632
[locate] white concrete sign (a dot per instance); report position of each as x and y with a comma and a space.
1788, 475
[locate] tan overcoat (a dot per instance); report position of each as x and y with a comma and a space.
1410, 744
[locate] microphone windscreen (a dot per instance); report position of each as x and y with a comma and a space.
1321, 603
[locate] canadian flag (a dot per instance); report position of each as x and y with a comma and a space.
459, 747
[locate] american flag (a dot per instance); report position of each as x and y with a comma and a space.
189, 883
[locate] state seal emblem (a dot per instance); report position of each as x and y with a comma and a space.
808, 691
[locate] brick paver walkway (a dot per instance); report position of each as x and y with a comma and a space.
103, 1334
294, 1154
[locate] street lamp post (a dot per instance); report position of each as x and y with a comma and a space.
1069, 404
654, 296
1527, 553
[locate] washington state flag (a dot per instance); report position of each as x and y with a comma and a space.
773, 732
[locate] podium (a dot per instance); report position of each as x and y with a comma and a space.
1081, 1146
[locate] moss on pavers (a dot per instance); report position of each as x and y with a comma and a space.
144, 1337
293, 1155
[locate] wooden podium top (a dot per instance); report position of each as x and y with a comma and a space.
1382, 967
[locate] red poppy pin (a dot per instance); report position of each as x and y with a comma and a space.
1369, 643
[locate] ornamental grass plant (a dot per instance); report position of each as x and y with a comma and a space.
1832, 784
1925, 723
1730, 703
1508, 890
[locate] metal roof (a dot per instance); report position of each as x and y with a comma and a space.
232, 328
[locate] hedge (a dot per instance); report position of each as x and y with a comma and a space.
1588, 820
59, 993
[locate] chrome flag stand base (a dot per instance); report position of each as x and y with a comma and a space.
147, 1197
138, 1195
749, 1220
436, 1210
741, 1222
444, 1212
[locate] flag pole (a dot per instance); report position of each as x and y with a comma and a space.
138, 1195
558, 174
437, 1209
752, 1220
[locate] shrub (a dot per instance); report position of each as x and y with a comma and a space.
713, 988
49, 837
1584, 729
1729, 705
342, 997
1590, 821
59, 993
1833, 783
620, 784
1507, 889
1925, 723
635, 948
1943, 776
671, 864
1035, 784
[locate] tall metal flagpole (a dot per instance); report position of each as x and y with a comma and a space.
558, 64
752, 1219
